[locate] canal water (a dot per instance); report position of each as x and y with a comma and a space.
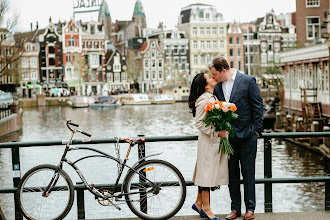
48, 123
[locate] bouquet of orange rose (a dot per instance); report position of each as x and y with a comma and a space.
220, 114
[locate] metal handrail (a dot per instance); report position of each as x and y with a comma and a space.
267, 180
153, 139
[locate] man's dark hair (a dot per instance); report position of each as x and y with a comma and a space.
219, 63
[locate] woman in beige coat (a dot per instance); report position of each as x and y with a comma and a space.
211, 169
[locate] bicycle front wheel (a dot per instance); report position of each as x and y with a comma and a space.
150, 202
55, 203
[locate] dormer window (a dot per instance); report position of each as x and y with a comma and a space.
270, 20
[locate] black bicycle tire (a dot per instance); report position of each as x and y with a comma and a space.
64, 175
138, 213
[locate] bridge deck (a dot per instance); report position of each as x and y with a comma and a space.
261, 216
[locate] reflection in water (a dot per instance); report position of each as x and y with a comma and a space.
48, 123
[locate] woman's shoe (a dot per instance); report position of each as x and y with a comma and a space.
205, 215
196, 209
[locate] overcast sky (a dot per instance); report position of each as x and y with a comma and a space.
156, 11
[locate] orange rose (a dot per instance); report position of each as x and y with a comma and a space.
220, 104
208, 107
233, 108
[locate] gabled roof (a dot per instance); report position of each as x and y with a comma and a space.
30, 36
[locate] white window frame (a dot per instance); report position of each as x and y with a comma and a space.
312, 1
68, 57
194, 31
25, 62
116, 77
71, 42
195, 44
160, 63
153, 74
221, 30
214, 31
202, 45
222, 44
109, 77
34, 63
146, 63
94, 60
160, 74
202, 59
25, 75
124, 77
146, 74
208, 44
195, 59
214, 44
313, 25
34, 74
201, 31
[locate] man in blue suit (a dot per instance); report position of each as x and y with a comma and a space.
242, 90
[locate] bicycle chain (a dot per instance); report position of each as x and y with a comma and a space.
117, 148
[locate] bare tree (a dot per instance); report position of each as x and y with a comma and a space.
10, 48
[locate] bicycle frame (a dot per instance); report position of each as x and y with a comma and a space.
91, 187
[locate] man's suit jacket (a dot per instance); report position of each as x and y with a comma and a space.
247, 98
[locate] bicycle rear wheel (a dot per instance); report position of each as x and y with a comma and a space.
56, 204
148, 202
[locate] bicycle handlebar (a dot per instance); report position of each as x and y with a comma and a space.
84, 133
73, 124
68, 123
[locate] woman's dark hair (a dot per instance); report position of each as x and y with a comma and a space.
197, 88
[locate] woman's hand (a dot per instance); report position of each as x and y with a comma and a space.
223, 134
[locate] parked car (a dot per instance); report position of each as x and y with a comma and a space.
6, 98
58, 92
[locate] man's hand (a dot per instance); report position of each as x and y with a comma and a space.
223, 134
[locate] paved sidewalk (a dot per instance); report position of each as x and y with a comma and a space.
319, 215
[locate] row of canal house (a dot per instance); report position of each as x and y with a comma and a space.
307, 68
72, 55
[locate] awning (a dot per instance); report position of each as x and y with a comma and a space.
31, 86
75, 84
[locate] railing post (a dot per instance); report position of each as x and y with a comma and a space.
16, 178
268, 173
80, 203
142, 154
315, 128
327, 195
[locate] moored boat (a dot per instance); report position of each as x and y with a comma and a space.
105, 102
135, 99
161, 99
80, 101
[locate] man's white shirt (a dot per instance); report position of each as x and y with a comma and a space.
228, 86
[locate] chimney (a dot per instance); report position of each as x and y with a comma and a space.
37, 26
31, 26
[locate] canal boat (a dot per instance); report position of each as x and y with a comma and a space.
105, 102
80, 101
135, 99
161, 99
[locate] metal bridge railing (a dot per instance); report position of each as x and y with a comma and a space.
268, 181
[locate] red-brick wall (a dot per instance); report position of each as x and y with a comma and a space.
302, 12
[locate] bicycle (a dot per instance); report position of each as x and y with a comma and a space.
152, 189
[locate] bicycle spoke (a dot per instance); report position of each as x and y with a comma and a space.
156, 204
